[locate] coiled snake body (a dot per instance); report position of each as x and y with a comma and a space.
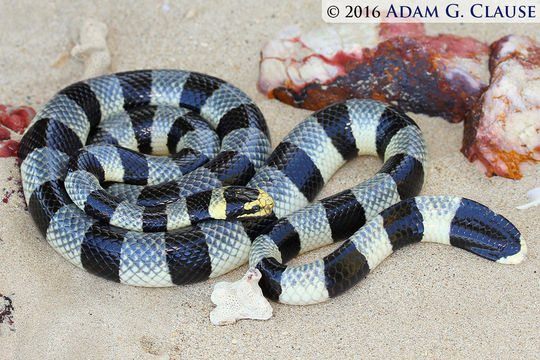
128, 232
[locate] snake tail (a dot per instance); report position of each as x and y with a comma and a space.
447, 220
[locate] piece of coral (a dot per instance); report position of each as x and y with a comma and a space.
13, 119
436, 75
242, 299
502, 132
92, 48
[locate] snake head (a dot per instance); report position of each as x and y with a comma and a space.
246, 202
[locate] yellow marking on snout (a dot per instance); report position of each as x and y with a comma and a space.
265, 203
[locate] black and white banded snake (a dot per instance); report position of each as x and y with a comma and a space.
160, 112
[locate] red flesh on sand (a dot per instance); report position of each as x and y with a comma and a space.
17, 120
9, 148
436, 75
4, 134
502, 132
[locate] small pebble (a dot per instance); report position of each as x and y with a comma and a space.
191, 13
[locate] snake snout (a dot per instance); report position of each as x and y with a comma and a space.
246, 202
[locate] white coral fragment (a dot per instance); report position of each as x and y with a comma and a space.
92, 48
242, 299
534, 199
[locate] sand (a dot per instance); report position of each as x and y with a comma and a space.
425, 301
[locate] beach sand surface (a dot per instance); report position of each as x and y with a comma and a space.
425, 301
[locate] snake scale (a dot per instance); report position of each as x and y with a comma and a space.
132, 233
